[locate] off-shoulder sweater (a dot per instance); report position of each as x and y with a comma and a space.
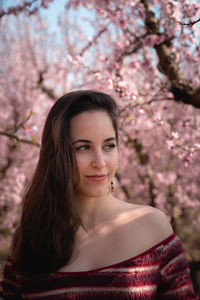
159, 273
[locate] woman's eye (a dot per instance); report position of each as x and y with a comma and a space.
87, 147
82, 148
110, 146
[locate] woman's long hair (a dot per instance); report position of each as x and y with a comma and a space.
45, 238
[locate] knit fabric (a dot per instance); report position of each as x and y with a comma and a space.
159, 273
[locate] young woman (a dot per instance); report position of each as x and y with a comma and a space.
75, 239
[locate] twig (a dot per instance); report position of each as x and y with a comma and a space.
190, 23
18, 138
21, 124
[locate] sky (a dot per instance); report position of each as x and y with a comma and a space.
52, 13
55, 9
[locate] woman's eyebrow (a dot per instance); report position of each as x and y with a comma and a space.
90, 142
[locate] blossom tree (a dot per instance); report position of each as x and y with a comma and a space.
146, 54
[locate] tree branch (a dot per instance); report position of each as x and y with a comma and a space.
95, 38
190, 23
181, 88
46, 90
15, 10
18, 138
143, 160
21, 123
124, 188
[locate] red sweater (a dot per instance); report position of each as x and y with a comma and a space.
159, 273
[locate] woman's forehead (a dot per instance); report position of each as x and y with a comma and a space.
91, 124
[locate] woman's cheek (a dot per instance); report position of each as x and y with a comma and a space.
83, 161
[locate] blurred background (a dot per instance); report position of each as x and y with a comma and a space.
144, 53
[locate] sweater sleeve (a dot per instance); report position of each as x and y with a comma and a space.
175, 273
10, 288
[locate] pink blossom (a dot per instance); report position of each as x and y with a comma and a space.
159, 137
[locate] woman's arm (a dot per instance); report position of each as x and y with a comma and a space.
175, 273
176, 283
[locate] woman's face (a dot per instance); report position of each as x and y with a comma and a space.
94, 141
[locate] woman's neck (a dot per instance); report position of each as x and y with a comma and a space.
95, 210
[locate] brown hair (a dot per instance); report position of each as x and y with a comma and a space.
45, 238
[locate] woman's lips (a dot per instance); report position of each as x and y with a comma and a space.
97, 178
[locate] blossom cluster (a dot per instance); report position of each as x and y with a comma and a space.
159, 136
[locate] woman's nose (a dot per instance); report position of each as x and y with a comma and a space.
98, 160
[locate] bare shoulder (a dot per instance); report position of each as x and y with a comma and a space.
151, 223
158, 221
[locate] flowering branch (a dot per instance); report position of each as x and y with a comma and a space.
190, 23
94, 40
21, 124
123, 187
45, 89
145, 161
181, 88
26, 6
19, 139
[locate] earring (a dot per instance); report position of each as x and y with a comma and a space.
112, 187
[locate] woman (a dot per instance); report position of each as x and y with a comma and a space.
75, 239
